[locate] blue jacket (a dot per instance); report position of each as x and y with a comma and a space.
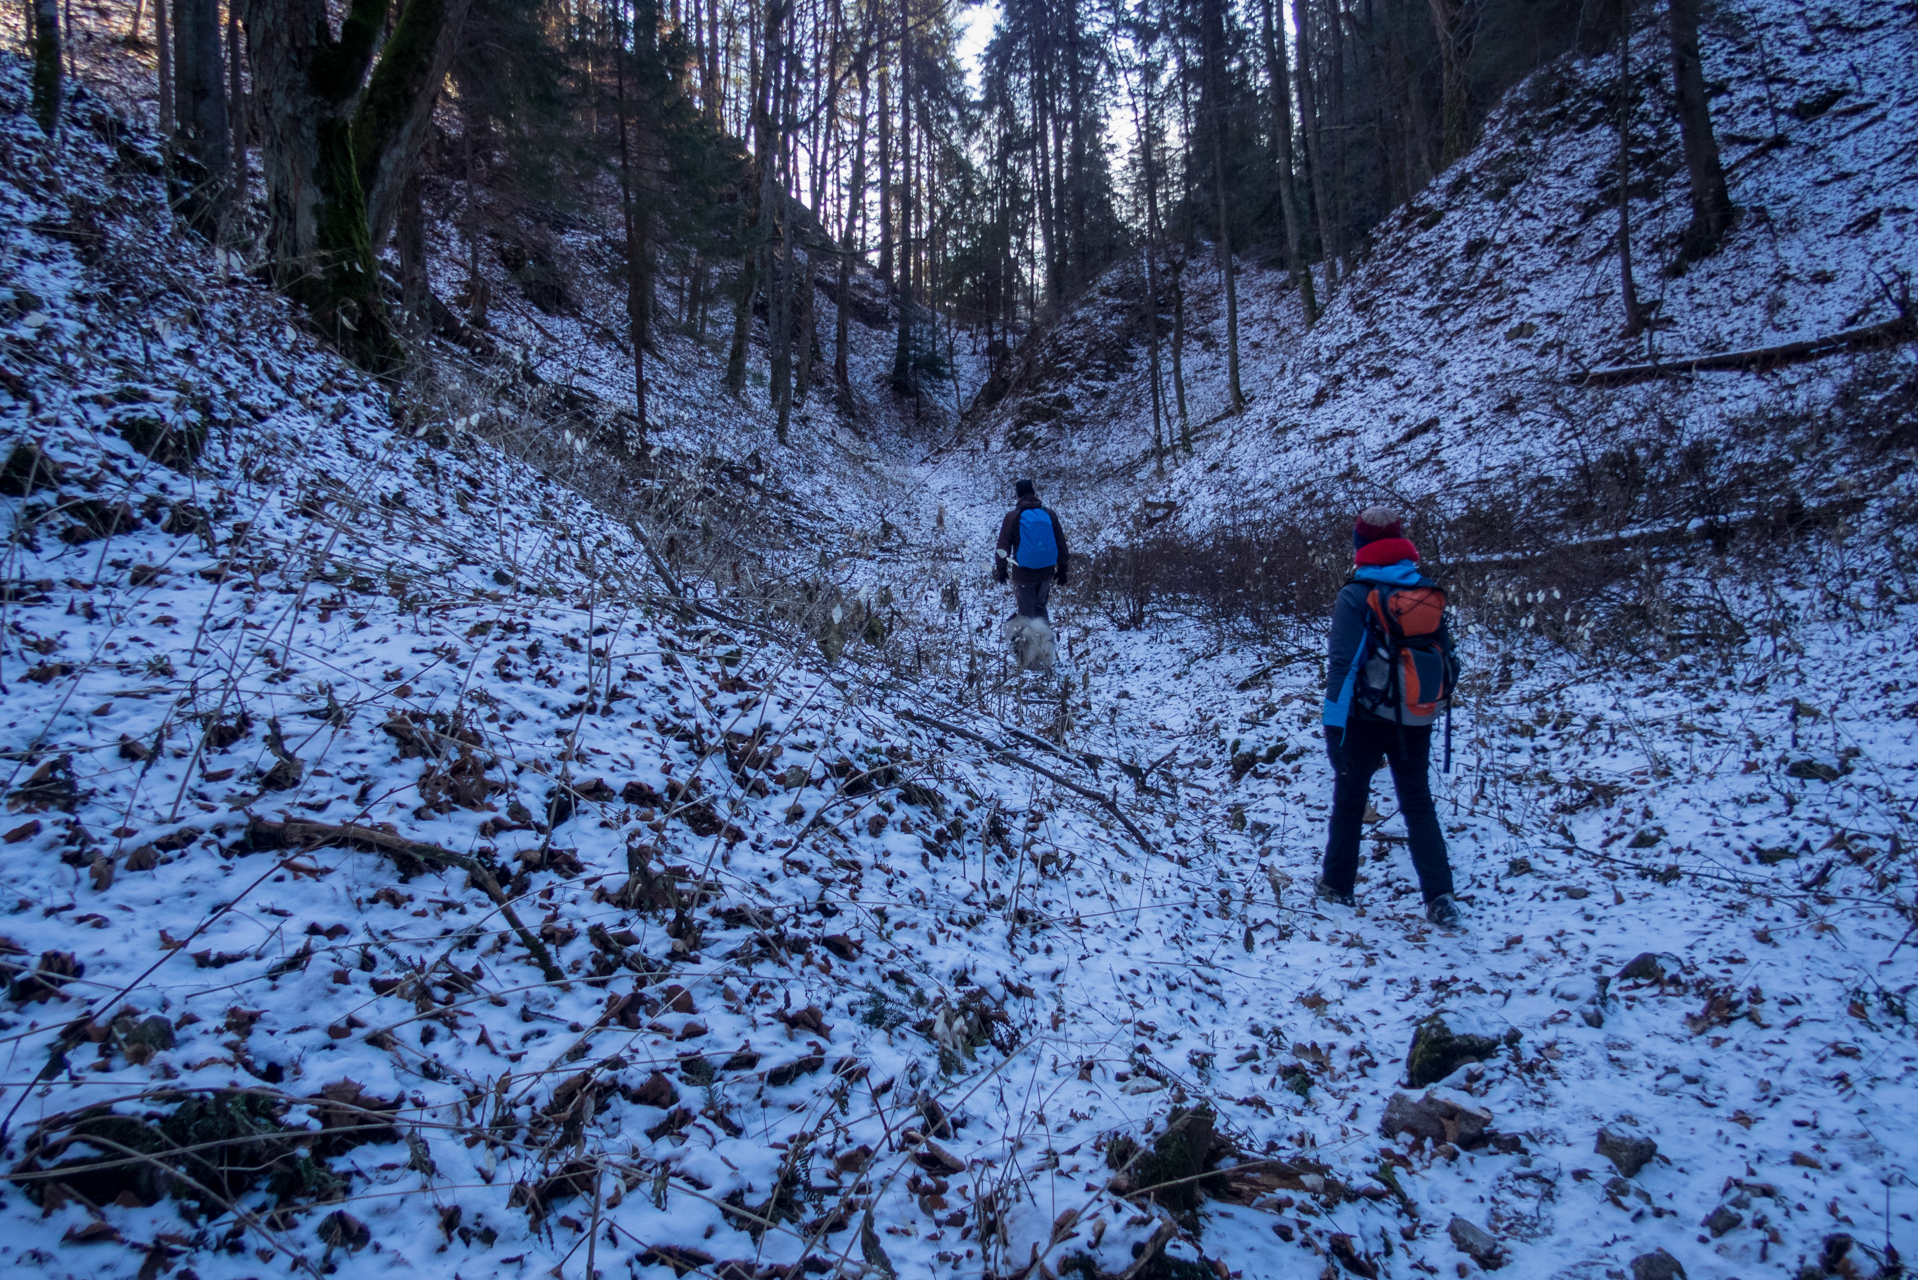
1345, 649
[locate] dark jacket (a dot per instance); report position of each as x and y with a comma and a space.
1344, 650
1009, 544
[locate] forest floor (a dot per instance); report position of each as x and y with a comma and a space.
405, 878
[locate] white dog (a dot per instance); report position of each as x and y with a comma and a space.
1032, 643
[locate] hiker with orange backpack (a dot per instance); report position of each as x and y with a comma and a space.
1390, 669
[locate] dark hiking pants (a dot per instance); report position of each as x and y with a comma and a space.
1032, 597
1355, 756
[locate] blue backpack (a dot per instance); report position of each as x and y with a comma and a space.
1037, 548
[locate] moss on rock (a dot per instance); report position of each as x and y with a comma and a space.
1438, 1050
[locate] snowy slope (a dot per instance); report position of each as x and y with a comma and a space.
1470, 323
840, 988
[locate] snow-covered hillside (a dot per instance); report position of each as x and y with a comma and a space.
1472, 322
406, 878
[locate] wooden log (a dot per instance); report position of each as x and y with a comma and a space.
1869, 338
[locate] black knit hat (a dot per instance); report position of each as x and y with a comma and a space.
1024, 487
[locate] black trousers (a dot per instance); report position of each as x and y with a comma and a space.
1355, 756
1032, 597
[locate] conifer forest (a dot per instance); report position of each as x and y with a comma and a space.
1006, 639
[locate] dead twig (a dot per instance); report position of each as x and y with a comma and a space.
308, 835
1013, 757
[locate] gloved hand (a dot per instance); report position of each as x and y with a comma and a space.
1060, 580
1335, 748
1000, 574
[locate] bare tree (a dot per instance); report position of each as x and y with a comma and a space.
1278, 80
1215, 82
1711, 202
855, 205
48, 77
1628, 287
1310, 122
202, 143
1455, 24
163, 53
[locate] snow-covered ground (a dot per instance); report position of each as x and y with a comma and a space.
733, 962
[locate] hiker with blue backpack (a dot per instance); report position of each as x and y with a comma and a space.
1032, 552
1390, 669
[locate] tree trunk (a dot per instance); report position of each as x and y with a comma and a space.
760, 206
902, 372
410, 236
885, 171
1079, 263
396, 110
203, 147
1341, 134
716, 86
1628, 287
1281, 104
49, 78
1177, 267
336, 155
1042, 180
1450, 26
1215, 79
806, 343
235, 230
780, 71
1314, 139
476, 288
163, 52
638, 276
1711, 202
1152, 284
848, 245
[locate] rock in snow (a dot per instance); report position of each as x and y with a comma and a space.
1626, 1148
1476, 1243
1434, 1117
1657, 1265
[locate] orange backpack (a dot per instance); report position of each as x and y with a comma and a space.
1409, 670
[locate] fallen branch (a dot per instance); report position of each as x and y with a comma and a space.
678, 590
1057, 750
312, 835
659, 565
1872, 337
1007, 754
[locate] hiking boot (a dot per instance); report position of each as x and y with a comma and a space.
1443, 911
1334, 896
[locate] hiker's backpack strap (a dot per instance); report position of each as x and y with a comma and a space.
1377, 601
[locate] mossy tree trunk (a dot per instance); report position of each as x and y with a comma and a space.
339, 134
